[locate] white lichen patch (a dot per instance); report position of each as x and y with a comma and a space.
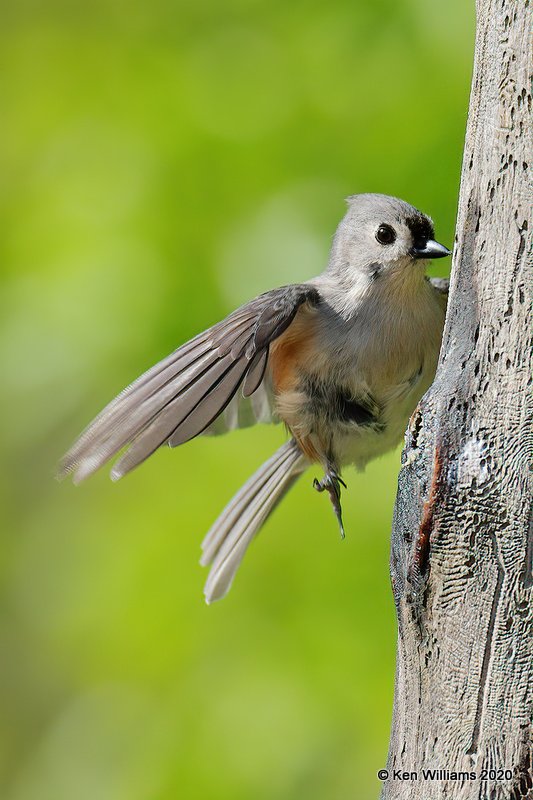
472, 463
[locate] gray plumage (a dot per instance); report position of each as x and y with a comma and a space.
342, 360
226, 542
183, 394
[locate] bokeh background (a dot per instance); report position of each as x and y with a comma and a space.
160, 163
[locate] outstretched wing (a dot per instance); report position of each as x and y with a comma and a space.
184, 393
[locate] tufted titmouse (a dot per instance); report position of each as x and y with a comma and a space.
342, 360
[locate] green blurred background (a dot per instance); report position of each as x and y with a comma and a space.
159, 164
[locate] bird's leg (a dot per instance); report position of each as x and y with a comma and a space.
332, 482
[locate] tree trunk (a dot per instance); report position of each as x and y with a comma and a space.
462, 537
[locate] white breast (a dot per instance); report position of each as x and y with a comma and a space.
387, 346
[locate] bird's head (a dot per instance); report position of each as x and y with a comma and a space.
381, 234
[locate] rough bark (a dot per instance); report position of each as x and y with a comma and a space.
462, 533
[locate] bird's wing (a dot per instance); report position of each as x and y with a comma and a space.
182, 395
242, 412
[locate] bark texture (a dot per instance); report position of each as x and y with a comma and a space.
462, 534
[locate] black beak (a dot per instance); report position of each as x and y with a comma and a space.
431, 249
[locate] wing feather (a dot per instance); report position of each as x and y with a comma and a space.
186, 393
255, 373
124, 417
157, 376
184, 413
105, 442
211, 405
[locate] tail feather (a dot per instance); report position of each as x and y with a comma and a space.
227, 541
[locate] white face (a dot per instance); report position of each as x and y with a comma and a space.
381, 233
394, 240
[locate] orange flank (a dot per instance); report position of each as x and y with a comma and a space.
292, 354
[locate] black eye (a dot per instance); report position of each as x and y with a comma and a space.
385, 234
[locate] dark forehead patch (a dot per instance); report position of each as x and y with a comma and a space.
420, 227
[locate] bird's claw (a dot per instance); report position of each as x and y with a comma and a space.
331, 482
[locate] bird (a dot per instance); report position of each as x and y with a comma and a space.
341, 359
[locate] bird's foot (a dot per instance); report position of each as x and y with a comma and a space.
331, 482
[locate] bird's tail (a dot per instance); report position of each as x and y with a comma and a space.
226, 542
